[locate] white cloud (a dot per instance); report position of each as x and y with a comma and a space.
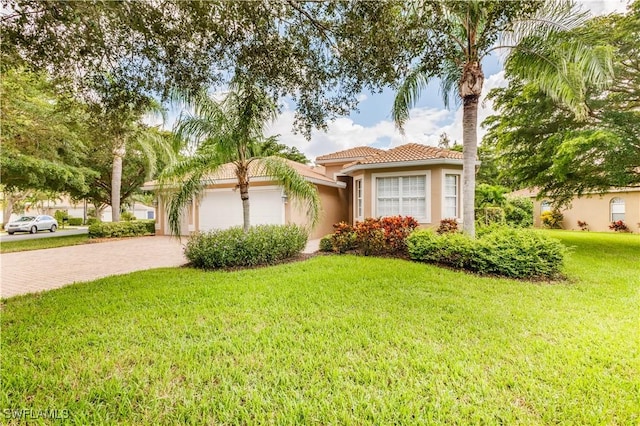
604, 7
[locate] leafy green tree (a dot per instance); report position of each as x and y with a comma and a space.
230, 131
540, 142
461, 34
271, 147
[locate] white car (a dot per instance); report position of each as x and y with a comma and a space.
32, 224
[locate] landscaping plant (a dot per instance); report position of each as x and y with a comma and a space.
260, 245
134, 228
619, 226
373, 236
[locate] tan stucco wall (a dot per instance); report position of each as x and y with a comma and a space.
435, 201
595, 211
334, 209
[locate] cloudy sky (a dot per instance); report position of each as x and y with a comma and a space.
372, 124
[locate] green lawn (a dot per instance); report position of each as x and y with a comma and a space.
336, 340
43, 243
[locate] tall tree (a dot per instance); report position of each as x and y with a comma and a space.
542, 143
462, 34
231, 131
116, 118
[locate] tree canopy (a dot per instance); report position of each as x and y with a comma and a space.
541, 143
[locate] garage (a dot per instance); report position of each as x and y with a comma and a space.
222, 208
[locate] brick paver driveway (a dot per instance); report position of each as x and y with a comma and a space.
38, 270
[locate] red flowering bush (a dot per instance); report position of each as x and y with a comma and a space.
619, 226
584, 226
373, 236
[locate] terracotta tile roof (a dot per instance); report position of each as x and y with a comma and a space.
409, 152
357, 152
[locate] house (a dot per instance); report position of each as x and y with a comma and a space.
410, 180
597, 210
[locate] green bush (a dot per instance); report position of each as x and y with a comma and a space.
514, 253
325, 243
122, 229
490, 215
93, 220
261, 245
75, 221
518, 212
127, 216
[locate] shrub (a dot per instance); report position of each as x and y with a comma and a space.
584, 226
619, 226
374, 236
325, 243
447, 226
61, 216
122, 229
127, 216
552, 219
518, 212
490, 215
75, 221
517, 254
261, 245
498, 251
93, 220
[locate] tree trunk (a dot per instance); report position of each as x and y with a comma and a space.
116, 181
242, 172
470, 90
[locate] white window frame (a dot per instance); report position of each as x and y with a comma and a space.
458, 173
545, 206
358, 199
617, 201
427, 197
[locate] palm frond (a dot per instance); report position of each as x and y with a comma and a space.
407, 96
295, 186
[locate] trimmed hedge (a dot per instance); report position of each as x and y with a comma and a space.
75, 221
513, 253
122, 229
261, 245
372, 236
325, 243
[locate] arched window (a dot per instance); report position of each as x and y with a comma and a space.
616, 207
545, 206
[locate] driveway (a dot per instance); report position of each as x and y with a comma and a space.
39, 270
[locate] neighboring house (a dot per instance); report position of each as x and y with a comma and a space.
597, 210
411, 180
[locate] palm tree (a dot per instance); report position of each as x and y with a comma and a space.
230, 131
465, 32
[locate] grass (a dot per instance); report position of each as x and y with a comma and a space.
43, 243
335, 340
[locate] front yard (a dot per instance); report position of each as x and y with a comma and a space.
335, 340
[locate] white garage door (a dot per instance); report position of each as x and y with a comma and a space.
222, 208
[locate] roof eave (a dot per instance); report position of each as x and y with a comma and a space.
399, 164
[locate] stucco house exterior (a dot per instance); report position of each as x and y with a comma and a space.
598, 210
411, 180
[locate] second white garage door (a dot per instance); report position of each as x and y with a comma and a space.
222, 208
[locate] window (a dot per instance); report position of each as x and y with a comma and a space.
359, 206
545, 206
451, 195
402, 195
617, 209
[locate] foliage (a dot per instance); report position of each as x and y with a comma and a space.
75, 221
122, 229
490, 215
43, 136
325, 243
261, 245
373, 236
447, 226
270, 147
127, 216
619, 226
540, 143
518, 212
552, 219
584, 226
501, 251
230, 132
62, 216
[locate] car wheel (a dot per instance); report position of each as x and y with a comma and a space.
10, 233
53, 228
33, 229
